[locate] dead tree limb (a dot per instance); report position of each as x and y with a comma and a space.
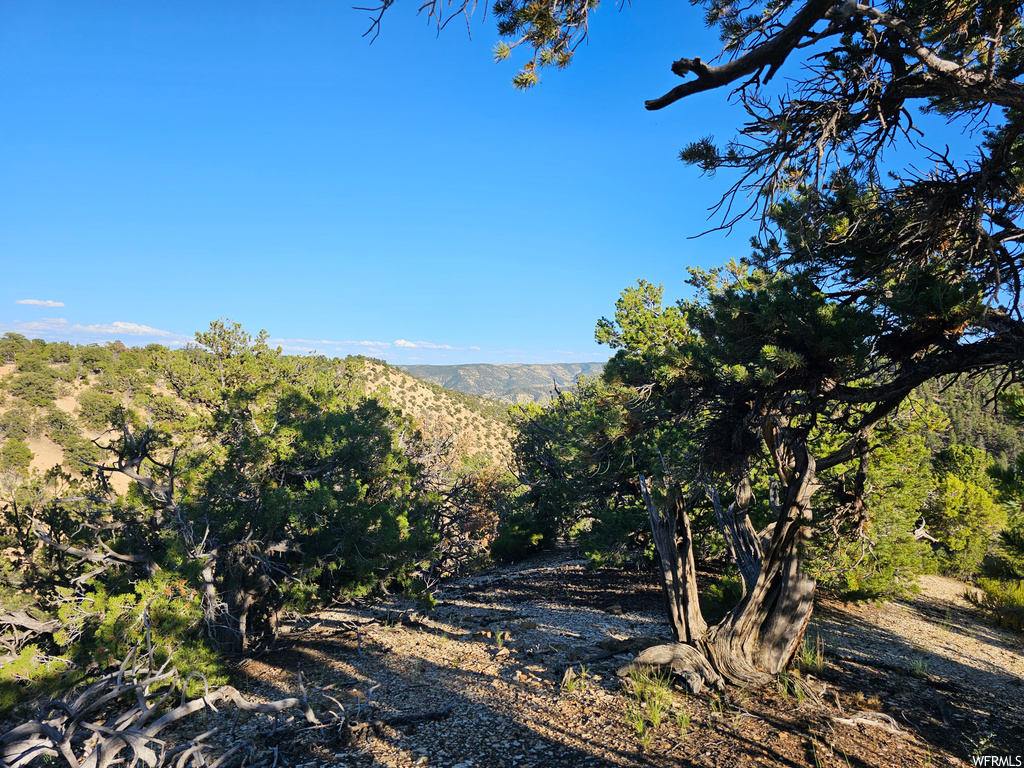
111, 718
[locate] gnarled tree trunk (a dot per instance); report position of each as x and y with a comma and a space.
760, 636
743, 541
674, 542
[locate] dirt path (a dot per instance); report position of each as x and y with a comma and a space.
488, 664
936, 659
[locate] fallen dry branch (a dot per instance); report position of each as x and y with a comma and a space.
872, 719
421, 717
124, 712
352, 730
32, 624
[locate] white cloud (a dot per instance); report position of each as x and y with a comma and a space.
400, 350
45, 325
403, 344
40, 302
298, 348
314, 343
372, 346
62, 329
124, 329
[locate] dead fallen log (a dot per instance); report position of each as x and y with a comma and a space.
420, 717
871, 719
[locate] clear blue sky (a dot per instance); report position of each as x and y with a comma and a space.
163, 165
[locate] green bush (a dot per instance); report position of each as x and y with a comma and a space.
38, 389
30, 362
56, 424
1004, 600
165, 611
94, 358
16, 455
97, 408
966, 519
875, 556
520, 536
16, 423
31, 673
60, 352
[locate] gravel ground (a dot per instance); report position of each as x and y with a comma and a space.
478, 683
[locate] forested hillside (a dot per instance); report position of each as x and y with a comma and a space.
481, 424
974, 417
205, 490
201, 498
510, 383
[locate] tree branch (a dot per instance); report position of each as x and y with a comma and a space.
771, 54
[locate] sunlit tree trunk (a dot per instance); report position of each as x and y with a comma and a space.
674, 542
760, 636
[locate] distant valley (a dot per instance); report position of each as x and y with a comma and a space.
510, 383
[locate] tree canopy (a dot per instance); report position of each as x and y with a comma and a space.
867, 279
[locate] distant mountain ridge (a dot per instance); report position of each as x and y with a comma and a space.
508, 382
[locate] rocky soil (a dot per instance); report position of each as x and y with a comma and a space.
516, 668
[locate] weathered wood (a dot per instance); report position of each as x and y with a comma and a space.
682, 660
873, 719
740, 536
758, 638
23, 620
673, 539
55, 733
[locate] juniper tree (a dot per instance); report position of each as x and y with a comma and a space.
863, 285
868, 278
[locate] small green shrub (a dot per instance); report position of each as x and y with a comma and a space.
519, 537
31, 362
31, 672
163, 612
919, 668
811, 657
16, 422
650, 700
15, 455
97, 408
37, 389
683, 723
721, 597
1004, 600
94, 358
967, 520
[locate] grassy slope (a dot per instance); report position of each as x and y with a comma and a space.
480, 424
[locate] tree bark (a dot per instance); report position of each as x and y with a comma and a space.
759, 637
674, 542
740, 536
684, 660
